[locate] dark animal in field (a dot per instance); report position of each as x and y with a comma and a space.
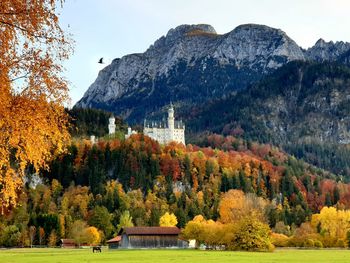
97, 249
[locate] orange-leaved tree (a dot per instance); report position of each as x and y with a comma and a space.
33, 124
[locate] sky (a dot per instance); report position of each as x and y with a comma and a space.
115, 28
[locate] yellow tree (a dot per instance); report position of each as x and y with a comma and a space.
168, 220
33, 123
235, 205
333, 224
231, 206
213, 233
194, 229
205, 231
93, 237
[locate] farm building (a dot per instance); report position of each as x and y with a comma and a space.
151, 237
67, 243
114, 242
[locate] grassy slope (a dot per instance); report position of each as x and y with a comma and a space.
183, 256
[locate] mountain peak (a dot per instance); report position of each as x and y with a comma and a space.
260, 46
184, 29
320, 43
179, 33
252, 26
323, 50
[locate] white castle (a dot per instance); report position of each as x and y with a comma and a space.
166, 131
130, 132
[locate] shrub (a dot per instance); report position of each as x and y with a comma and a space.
10, 236
340, 243
309, 243
348, 238
296, 241
329, 241
318, 244
281, 228
251, 234
279, 240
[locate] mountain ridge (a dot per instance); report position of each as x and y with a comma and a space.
234, 60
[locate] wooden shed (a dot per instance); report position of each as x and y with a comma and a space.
114, 242
67, 243
151, 237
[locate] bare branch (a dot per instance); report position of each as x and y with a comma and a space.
20, 77
23, 30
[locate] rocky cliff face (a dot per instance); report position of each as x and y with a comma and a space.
327, 51
345, 58
191, 64
258, 47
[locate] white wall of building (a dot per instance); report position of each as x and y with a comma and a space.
169, 133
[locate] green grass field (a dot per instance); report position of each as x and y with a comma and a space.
181, 256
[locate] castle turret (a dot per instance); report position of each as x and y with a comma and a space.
111, 125
171, 122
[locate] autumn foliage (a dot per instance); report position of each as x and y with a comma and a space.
212, 192
168, 220
33, 123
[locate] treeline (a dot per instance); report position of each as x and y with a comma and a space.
140, 163
243, 226
137, 181
329, 156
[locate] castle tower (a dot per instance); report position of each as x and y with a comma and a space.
171, 122
111, 125
167, 130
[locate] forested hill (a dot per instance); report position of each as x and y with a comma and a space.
90, 192
191, 179
303, 106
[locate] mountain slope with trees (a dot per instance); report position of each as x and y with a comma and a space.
87, 122
303, 107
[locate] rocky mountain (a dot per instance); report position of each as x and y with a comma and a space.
190, 65
326, 51
345, 58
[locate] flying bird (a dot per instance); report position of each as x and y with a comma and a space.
101, 61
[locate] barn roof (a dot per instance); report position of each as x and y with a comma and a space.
67, 241
150, 230
115, 239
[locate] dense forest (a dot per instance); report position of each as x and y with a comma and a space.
86, 122
136, 181
303, 107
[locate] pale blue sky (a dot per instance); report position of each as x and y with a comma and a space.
114, 28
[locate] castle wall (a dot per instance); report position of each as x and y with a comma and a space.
166, 132
165, 135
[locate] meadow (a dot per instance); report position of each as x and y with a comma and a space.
59, 255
